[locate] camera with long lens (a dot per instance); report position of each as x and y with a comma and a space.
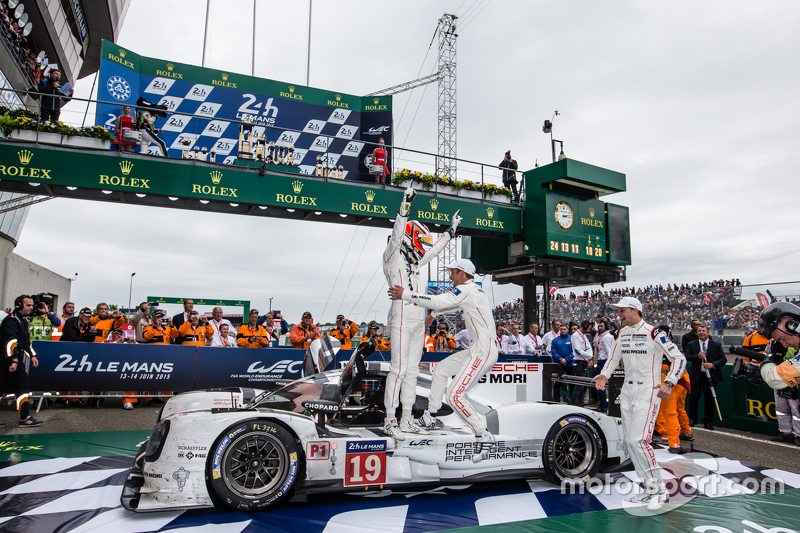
753, 373
39, 302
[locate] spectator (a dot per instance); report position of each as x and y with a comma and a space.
605, 343
80, 328
251, 335
550, 335
105, 323
462, 339
372, 333
157, 332
50, 106
304, 333
512, 342
224, 339
193, 332
117, 336
704, 354
181, 318
561, 350
442, 341
582, 359
532, 342
691, 336
42, 326
16, 345
141, 319
272, 328
500, 332
67, 310
276, 315
215, 323
509, 165
345, 329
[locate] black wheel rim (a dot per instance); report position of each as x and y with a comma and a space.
254, 464
574, 451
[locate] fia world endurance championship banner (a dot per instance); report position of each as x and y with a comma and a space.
342, 128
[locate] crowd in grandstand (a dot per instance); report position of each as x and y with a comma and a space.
673, 305
21, 50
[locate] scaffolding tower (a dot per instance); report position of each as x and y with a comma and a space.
446, 153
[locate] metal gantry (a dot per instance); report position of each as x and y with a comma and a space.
21, 201
445, 163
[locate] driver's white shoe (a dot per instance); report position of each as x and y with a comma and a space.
391, 429
408, 425
428, 421
483, 443
654, 500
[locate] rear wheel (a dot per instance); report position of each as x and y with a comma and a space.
572, 451
254, 465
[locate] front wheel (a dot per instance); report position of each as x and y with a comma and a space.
572, 451
254, 465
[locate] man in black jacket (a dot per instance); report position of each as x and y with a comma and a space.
704, 354
686, 338
509, 176
16, 346
79, 328
180, 318
50, 106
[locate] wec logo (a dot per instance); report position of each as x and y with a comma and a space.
281, 367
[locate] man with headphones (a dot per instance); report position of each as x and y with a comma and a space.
410, 248
16, 346
781, 322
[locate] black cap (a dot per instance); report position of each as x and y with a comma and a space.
86, 312
307, 314
193, 313
373, 324
339, 317
253, 311
116, 330
158, 313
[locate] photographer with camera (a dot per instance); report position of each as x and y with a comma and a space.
251, 335
43, 323
304, 333
275, 316
105, 321
781, 322
509, 165
345, 329
16, 346
141, 319
442, 340
79, 328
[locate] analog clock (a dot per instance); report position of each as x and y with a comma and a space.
565, 216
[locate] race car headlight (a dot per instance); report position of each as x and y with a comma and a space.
157, 439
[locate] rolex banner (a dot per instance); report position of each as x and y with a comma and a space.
200, 103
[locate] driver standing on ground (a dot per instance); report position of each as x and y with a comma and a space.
641, 347
410, 248
468, 366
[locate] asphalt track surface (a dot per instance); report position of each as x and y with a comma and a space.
736, 445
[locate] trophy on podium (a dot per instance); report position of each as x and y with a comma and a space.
212, 156
290, 158
260, 141
271, 153
340, 174
245, 141
319, 166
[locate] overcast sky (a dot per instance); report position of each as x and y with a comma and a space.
696, 102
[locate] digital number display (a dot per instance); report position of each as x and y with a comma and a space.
589, 251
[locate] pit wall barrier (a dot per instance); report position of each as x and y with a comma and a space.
132, 367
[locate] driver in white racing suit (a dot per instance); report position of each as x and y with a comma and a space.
410, 248
470, 365
641, 347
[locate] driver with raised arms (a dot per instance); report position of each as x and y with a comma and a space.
410, 247
468, 366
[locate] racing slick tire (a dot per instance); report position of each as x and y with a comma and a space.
254, 465
572, 451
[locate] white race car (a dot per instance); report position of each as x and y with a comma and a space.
250, 449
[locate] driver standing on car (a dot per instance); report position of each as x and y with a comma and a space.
410, 248
468, 366
641, 347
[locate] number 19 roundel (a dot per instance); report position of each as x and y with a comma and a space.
365, 463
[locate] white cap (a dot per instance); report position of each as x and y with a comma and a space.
628, 301
463, 264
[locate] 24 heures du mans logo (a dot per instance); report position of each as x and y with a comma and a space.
369, 207
125, 180
213, 190
296, 198
24, 171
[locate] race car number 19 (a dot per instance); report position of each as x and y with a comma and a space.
365, 463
